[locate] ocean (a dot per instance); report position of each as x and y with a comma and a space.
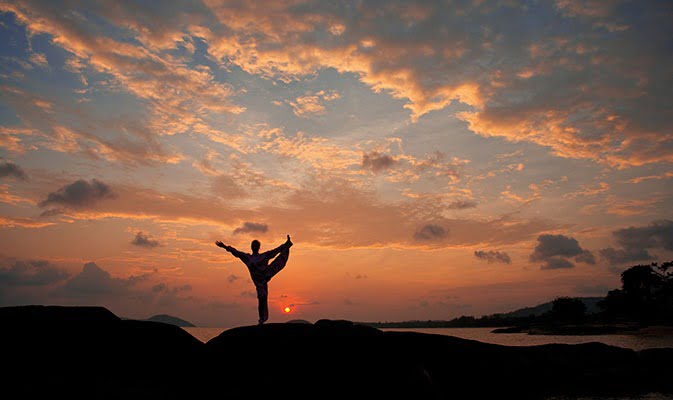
633, 341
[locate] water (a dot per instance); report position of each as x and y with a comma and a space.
633, 341
204, 334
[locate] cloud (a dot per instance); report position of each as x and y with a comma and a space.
365, 220
377, 162
227, 187
634, 243
23, 223
584, 87
176, 96
251, 227
462, 204
312, 104
434, 165
9, 169
492, 256
159, 287
431, 232
30, 273
143, 240
170, 291
94, 282
79, 194
39, 59
556, 250
233, 278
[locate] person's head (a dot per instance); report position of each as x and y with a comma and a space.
254, 246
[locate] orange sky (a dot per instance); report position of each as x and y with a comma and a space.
429, 160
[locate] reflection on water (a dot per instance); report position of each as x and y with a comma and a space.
635, 342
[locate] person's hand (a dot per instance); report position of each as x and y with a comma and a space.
220, 244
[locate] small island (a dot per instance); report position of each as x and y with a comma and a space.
169, 319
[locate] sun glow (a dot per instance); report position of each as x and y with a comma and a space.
287, 309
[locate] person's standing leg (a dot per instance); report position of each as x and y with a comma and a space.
262, 302
263, 309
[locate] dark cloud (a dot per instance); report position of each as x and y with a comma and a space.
143, 240
158, 288
634, 243
31, 273
9, 169
556, 250
620, 256
586, 257
493, 256
249, 227
249, 294
170, 291
377, 162
233, 278
95, 282
431, 232
557, 263
462, 204
79, 194
361, 276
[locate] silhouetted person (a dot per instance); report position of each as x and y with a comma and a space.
261, 271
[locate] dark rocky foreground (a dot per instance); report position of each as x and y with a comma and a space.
88, 352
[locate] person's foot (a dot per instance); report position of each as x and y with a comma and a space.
289, 242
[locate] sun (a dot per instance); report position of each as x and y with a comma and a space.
287, 309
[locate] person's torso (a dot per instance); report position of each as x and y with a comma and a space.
256, 265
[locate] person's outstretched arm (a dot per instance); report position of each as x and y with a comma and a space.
232, 250
272, 253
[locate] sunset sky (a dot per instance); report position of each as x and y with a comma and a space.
430, 159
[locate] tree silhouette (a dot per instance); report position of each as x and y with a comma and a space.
567, 310
646, 294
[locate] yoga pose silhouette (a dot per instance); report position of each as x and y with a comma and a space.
261, 271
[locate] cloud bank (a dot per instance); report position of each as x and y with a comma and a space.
634, 243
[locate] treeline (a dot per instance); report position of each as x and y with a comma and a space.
646, 297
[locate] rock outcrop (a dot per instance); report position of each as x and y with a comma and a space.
87, 352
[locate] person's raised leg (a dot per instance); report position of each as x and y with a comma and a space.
278, 263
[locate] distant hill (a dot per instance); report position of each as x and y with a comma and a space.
297, 321
504, 319
169, 319
591, 304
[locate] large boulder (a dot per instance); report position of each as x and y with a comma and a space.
88, 352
